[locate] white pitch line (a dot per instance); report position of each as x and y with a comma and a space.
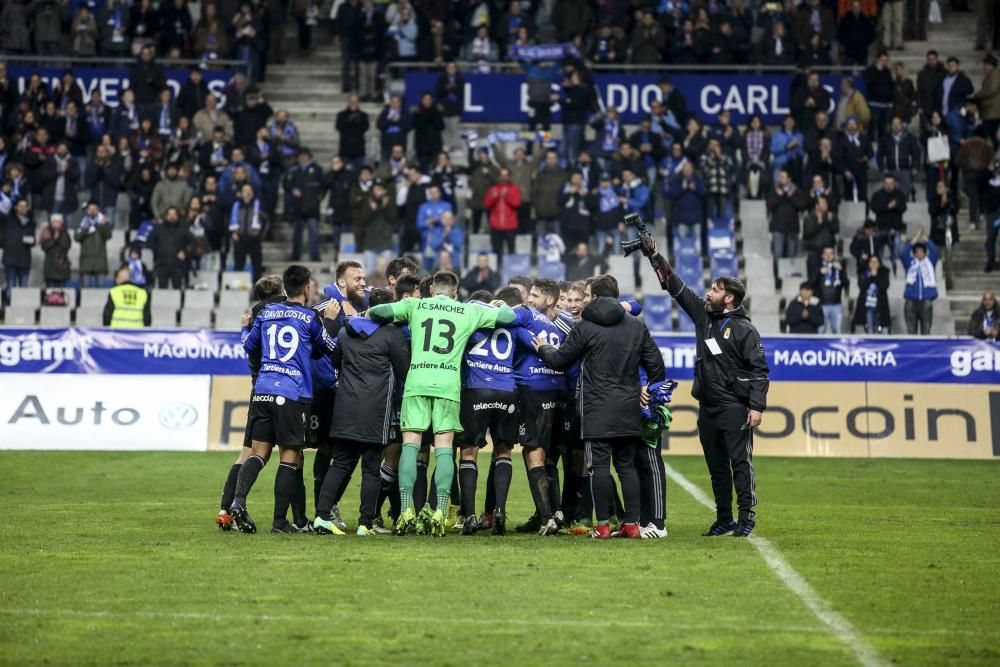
820, 608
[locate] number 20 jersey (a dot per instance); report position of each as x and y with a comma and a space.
489, 360
287, 336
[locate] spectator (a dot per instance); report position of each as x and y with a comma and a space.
811, 18
824, 172
820, 227
904, 102
428, 124
84, 33
855, 152
128, 305
852, 104
608, 212
55, 242
783, 205
369, 31
502, 201
254, 115
649, 144
449, 93
888, 204
881, 93
943, 210
445, 236
211, 117
93, 234
412, 197
541, 78
346, 18
610, 134
210, 39
809, 101
855, 34
647, 41
48, 17
392, 171
377, 220
575, 206
787, 149
247, 226
576, 103
866, 244
545, 187
171, 244
688, 196
193, 93
929, 78
59, 181
357, 200
975, 155
15, 27
352, 123
984, 323
728, 136
899, 153
920, 257
429, 214
673, 100
481, 276
777, 48
338, 181
394, 126
405, 32
892, 24
445, 262
214, 154
830, 284
988, 98
756, 155
871, 309
694, 141
445, 177
18, 240
581, 264
719, 173
482, 175
104, 179
804, 314
265, 155
305, 183
140, 192
482, 50
522, 170
146, 78
171, 192
954, 89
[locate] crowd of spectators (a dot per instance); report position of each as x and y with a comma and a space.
187, 176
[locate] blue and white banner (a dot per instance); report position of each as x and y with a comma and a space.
792, 359
111, 81
503, 98
541, 52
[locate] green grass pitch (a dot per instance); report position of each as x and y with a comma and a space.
114, 559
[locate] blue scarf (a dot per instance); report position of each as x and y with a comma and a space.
832, 278
610, 141
609, 199
165, 121
541, 52
234, 216
136, 271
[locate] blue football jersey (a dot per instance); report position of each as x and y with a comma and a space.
530, 372
287, 336
489, 360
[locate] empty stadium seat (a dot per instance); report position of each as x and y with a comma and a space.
522, 244
792, 267
20, 315
23, 297
725, 224
237, 280
721, 239
163, 317
199, 300
166, 298
228, 319
623, 269
93, 296
686, 324
54, 316
724, 263
347, 242
90, 316
516, 264
233, 300
479, 243
196, 318
553, 270
205, 280
656, 310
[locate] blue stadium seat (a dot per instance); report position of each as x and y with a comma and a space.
687, 245
656, 309
515, 265
724, 263
553, 270
721, 239
686, 324
724, 223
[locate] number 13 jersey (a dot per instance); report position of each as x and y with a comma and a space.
440, 329
287, 336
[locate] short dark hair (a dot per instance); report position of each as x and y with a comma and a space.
524, 281
547, 287
953, 59
267, 286
564, 286
481, 295
932, 52
733, 287
378, 296
445, 279
604, 285
425, 287
510, 295
407, 284
295, 279
805, 284
397, 266
881, 52
347, 264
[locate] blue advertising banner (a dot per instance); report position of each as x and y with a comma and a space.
503, 98
111, 81
801, 359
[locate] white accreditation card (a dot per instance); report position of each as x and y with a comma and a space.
713, 346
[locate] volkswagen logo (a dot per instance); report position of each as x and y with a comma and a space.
178, 416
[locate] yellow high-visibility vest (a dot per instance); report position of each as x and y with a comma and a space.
130, 304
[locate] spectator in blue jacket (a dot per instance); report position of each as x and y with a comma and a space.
787, 149
688, 196
920, 257
430, 214
444, 235
394, 125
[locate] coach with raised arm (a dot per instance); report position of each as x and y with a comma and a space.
730, 384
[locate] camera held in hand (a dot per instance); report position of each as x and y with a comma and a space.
645, 241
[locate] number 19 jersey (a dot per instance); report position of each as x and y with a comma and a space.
440, 329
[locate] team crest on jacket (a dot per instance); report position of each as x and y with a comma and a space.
726, 333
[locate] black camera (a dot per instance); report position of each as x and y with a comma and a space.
645, 238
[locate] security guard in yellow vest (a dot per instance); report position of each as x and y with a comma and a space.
128, 304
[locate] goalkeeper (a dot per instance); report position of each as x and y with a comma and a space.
440, 328
656, 419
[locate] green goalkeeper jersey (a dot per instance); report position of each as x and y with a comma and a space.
439, 331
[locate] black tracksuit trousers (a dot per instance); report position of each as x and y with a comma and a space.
652, 485
345, 458
728, 445
600, 454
